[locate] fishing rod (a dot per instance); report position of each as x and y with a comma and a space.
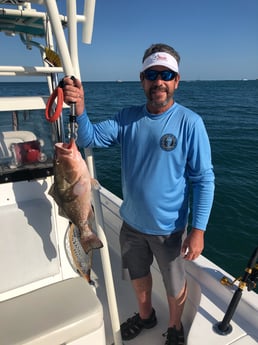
249, 281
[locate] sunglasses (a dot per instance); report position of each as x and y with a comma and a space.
151, 74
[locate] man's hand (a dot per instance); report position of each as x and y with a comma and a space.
193, 244
73, 93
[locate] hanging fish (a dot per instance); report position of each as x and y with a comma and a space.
72, 192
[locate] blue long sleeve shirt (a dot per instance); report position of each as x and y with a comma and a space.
163, 156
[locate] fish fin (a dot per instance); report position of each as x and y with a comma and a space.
90, 242
62, 213
95, 184
91, 217
52, 190
55, 196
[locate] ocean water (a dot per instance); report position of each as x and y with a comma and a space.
230, 112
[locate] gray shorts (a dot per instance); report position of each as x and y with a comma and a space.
138, 250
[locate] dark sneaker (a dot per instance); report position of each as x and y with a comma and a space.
174, 337
134, 325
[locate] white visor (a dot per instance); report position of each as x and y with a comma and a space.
160, 59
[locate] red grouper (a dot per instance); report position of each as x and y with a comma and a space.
72, 192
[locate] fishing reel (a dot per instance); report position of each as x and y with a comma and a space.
250, 283
253, 278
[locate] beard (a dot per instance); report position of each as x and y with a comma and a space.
155, 103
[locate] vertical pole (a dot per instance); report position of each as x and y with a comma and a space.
105, 258
68, 65
53, 13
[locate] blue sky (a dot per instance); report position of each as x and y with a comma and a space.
217, 40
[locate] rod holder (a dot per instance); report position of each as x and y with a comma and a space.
224, 327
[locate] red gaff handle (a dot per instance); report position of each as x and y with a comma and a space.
58, 93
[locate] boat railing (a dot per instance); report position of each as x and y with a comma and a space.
105, 257
23, 103
28, 70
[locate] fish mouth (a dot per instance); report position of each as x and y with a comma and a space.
65, 147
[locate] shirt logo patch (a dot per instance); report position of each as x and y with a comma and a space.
168, 142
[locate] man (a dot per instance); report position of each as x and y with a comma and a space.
165, 153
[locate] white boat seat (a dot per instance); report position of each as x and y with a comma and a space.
55, 314
29, 249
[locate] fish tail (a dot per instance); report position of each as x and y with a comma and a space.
90, 242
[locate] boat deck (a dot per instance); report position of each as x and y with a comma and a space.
205, 306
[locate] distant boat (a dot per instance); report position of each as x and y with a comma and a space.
244, 79
119, 81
